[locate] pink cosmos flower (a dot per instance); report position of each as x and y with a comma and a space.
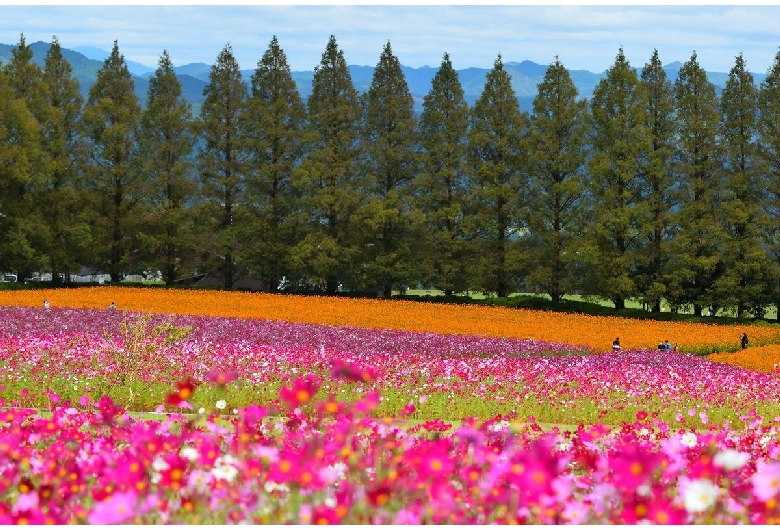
575, 512
116, 509
26, 501
221, 377
766, 481
352, 372
302, 391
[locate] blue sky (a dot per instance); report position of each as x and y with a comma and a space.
584, 37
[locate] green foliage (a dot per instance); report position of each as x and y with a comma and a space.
60, 197
768, 127
621, 141
497, 183
698, 244
743, 284
326, 181
556, 214
274, 130
20, 163
348, 192
167, 142
659, 181
115, 185
388, 218
224, 164
441, 183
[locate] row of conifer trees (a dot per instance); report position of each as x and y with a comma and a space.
653, 188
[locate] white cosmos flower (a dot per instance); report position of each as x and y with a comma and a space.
271, 486
159, 464
731, 459
699, 495
224, 468
221, 404
688, 439
201, 410
190, 453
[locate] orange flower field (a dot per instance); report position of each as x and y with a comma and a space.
759, 359
596, 332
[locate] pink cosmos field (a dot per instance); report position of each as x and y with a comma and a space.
116, 417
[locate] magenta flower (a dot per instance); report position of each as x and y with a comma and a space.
303, 389
116, 509
766, 481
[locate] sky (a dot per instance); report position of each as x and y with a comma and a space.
583, 37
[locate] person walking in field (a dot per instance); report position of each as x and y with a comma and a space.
744, 341
112, 306
616, 344
46, 304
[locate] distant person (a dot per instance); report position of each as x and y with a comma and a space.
616, 344
667, 345
112, 306
744, 341
674, 348
46, 304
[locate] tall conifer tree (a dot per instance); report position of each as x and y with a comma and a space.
620, 143
19, 145
274, 128
497, 183
223, 165
768, 127
698, 243
61, 139
744, 283
556, 156
388, 218
110, 128
441, 184
26, 81
326, 180
659, 184
167, 142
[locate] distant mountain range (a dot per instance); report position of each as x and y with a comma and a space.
526, 76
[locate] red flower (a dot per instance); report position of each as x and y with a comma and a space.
183, 393
379, 496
